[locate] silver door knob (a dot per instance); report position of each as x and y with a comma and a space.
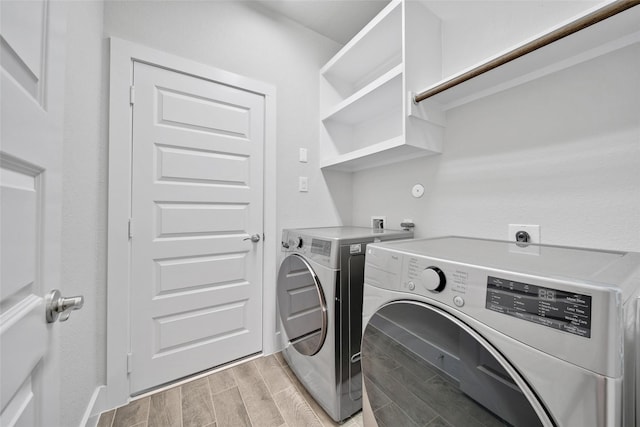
255, 238
57, 305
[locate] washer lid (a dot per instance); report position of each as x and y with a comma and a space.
302, 305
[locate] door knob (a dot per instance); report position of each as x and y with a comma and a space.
57, 305
255, 238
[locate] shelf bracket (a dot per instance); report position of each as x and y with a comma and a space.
427, 111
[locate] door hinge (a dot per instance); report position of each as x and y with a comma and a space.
132, 94
129, 362
130, 228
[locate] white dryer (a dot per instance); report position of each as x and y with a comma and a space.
470, 332
320, 304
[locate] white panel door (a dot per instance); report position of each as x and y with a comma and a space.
197, 196
32, 68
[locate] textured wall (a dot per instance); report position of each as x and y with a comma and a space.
84, 209
475, 30
562, 152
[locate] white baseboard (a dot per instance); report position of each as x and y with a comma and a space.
96, 406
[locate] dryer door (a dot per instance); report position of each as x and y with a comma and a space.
302, 305
421, 365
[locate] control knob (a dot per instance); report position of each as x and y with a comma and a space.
297, 242
433, 279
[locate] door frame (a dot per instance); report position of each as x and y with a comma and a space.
123, 55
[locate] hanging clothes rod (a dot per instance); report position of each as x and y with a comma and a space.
564, 31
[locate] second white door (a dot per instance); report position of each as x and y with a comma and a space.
197, 198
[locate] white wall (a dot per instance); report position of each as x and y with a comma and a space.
562, 152
243, 38
84, 210
475, 30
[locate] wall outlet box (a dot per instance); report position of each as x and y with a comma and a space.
532, 230
378, 222
517, 233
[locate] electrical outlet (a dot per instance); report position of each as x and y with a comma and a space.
378, 222
532, 230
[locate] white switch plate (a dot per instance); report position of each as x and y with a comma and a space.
303, 155
303, 184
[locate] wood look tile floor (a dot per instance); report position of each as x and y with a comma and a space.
262, 392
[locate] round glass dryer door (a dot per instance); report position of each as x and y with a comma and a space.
423, 366
302, 306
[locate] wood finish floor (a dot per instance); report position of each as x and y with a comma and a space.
262, 393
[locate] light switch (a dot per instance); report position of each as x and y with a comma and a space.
303, 184
303, 155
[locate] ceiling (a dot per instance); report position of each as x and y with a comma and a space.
338, 20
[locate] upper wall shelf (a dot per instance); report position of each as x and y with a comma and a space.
368, 118
567, 44
364, 95
377, 48
370, 101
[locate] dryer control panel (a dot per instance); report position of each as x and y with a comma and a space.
323, 251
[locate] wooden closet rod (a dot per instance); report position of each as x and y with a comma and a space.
564, 31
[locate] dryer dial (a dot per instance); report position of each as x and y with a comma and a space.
433, 279
297, 242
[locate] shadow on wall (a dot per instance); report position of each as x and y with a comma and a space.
386, 190
340, 185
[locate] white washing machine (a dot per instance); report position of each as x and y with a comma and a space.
469, 332
320, 304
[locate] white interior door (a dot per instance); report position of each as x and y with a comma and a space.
197, 196
32, 68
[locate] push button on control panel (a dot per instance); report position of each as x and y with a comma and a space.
458, 301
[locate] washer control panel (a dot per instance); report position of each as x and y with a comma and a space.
419, 274
477, 292
566, 311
